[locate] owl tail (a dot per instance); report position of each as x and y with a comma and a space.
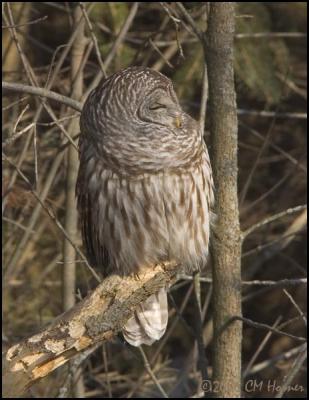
149, 320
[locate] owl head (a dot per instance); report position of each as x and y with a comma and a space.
134, 115
137, 95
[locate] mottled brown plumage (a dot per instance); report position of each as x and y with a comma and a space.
144, 187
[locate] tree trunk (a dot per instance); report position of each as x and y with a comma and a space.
71, 217
226, 238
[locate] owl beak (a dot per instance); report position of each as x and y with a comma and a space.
178, 121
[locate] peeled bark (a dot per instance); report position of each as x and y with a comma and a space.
97, 318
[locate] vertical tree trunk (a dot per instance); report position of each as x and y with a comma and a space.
71, 217
226, 243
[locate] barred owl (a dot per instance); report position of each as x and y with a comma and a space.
144, 187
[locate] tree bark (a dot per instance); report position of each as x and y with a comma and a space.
97, 318
226, 238
71, 216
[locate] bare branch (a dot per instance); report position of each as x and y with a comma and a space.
282, 356
259, 325
274, 146
260, 348
94, 39
51, 215
269, 250
296, 306
152, 375
117, 43
35, 21
294, 370
272, 114
280, 283
21, 88
273, 218
12, 138
270, 35
190, 21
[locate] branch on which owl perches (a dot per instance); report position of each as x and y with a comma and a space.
97, 318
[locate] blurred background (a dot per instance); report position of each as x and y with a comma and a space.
40, 49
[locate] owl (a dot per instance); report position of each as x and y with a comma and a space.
144, 187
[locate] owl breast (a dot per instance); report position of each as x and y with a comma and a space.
152, 217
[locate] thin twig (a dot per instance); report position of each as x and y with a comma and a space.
272, 114
117, 43
274, 146
105, 361
35, 156
203, 108
296, 306
190, 21
13, 138
259, 349
295, 369
201, 357
35, 21
152, 375
273, 218
272, 189
176, 22
14, 103
264, 145
270, 35
162, 342
21, 88
272, 244
161, 54
20, 117
94, 39
11, 221
260, 325
279, 283
51, 215
287, 355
